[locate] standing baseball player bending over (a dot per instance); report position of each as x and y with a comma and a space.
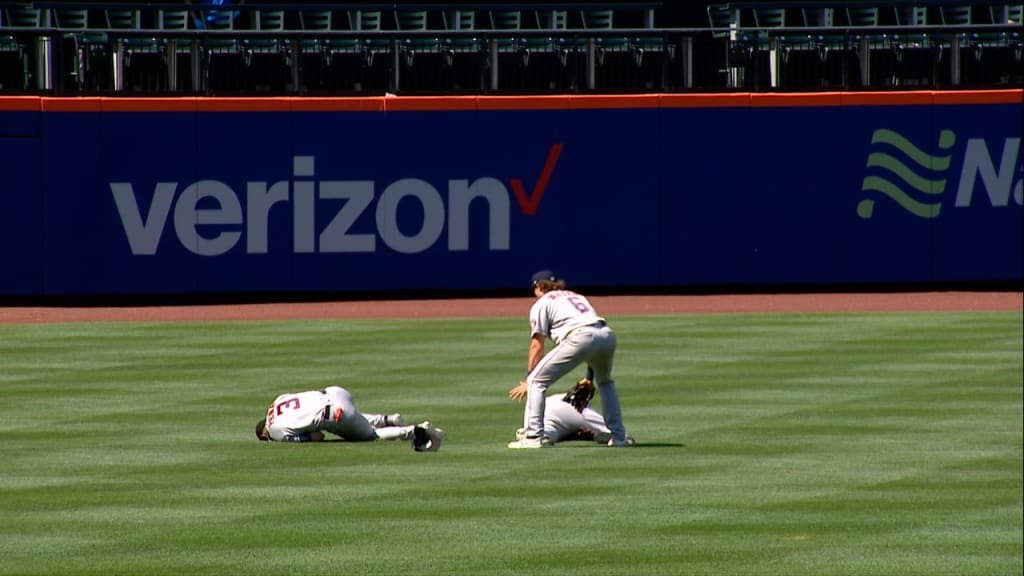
579, 335
305, 416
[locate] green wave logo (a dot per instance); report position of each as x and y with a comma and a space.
899, 177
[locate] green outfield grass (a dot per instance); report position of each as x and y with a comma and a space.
822, 444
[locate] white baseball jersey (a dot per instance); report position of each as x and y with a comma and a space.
562, 421
559, 312
292, 416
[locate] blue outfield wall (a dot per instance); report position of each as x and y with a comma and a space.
185, 196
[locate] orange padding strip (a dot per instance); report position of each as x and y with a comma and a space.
471, 103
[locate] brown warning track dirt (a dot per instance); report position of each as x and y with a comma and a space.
488, 307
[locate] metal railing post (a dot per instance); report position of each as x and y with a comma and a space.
396, 64
44, 63
954, 60
118, 65
197, 61
686, 58
296, 64
172, 65
735, 72
774, 61
492, 45
591, 63
864, 52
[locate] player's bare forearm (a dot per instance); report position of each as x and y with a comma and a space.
536, 352
532, 359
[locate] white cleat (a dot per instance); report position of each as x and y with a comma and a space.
394, 420
629, 441
526, 443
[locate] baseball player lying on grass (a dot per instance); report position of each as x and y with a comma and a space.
564, 421
305, 416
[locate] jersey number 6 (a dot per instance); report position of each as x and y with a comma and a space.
579, 304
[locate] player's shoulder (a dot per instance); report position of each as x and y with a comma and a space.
301, 396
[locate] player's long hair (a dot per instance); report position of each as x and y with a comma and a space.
549, 285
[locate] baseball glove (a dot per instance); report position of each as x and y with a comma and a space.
580, 394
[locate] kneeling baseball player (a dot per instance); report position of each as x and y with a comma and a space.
571, 416
305, 416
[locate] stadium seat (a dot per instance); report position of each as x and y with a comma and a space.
18, 15
220, 21
915, 16
861, 21
958, 16
267, 21
415, 20
778, 45
561, 46
918, 42
955, 15
459, 20
177, 20
268, 58
8, 43
603, 20
73, 24
510, 20
823, 41
982, 42
224, 62
653, 44
1012, 14
131, 19
128, 50
544, 20
316, 20
917, 54
366, 21
719, 20
173, 20
864, 18
769, 17
724, 24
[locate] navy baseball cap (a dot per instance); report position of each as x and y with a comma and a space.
543, 275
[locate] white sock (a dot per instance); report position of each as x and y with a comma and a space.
376, 420
395, 432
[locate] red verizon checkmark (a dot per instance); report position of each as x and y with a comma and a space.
529, 204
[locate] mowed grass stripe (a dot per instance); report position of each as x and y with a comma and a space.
770, 444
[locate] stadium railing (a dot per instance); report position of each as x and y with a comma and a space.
932, 33
62, 47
